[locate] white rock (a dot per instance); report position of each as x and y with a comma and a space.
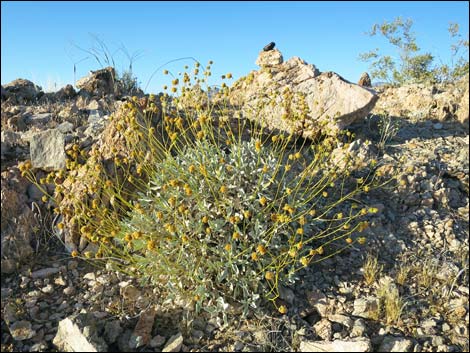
357, 345
174, 343
396, 344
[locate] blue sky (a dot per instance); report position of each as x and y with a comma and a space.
37, 37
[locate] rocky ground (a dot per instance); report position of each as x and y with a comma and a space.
406, 290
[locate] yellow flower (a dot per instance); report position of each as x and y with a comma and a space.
247, 214
265, 169
235, 236
223, 189
229, 75
320, 250
208, 230
258, 145
363, 226
228, 247
349, 240
366, 188
361, 240
172, 201
88, 254
205, 219
151, 245
292, 252
302, 220
373, 210
325, 194
274, 138
254, 256
137, 235
74, 253
339, 215
287, 167
60, 225
299, 231
288, 191
159, 215
312, 213
263, 201
282, 309
44, 198
261, 249
191, 168
269, 275
188, 191
304, 261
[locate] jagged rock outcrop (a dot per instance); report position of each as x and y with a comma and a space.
440, 102
99, 83
21, 91
365, 80
295, 97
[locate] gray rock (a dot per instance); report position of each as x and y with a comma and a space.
21, 330
365, 307
324, 329
157, 341
396, 344
357, 345
112, 330
319, 301
45, 272
47, 150
22, 90
65, 127
39, 119
359, 328
79, 333
174, 343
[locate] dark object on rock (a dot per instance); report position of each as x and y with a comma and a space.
365, 81
269, 47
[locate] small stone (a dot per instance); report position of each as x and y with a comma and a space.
359, 328
341, 319
48, 289
238, 346
157, 341
437, 126
318, 300
395, 344
365, 307
21, 330
357, 345
437, 341
90, 276
69, 290
324, 329
143, 329
174, 343
45, 272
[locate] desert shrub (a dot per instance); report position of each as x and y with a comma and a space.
411, 65
212, 207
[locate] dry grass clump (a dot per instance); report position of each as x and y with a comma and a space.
212, 207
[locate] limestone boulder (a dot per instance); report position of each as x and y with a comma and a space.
47, 150
294, 97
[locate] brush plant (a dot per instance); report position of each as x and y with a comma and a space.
210, 206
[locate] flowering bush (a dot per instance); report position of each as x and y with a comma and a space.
211, 206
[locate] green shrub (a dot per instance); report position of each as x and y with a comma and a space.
212, 207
